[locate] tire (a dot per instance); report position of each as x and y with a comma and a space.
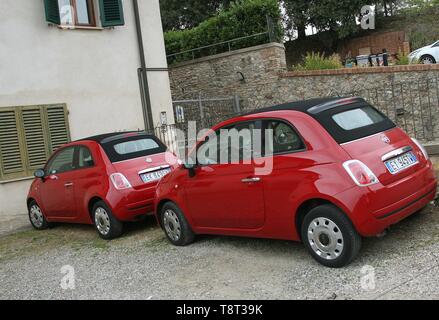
36, 216
175, 225
428, 59
330, 236
107, 226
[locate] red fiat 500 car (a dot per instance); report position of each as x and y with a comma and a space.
102, 180
341, 170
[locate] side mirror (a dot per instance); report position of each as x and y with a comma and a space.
40, 174
191, 168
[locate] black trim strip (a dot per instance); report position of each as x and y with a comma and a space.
406, 206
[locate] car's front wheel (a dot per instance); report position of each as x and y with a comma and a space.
428, 59
107, 226
36, 216
330, 236
175, 225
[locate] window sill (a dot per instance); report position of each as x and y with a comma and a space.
15, 180
80, 28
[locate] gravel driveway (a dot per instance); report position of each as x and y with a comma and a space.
143, 265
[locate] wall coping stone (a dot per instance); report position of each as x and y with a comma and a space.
228, 54
344, 71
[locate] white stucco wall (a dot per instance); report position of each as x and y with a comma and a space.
93, 71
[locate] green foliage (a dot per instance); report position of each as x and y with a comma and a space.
335, 15
186, 14
243, 18
318, 61
402, 59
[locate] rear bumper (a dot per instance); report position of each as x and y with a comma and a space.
132, 205
372, 222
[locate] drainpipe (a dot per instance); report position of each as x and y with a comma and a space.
143, 74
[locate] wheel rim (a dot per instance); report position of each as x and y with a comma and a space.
172, 225
36, 216
102, 221
325, 238
427, 60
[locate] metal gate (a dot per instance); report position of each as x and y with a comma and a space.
206, 112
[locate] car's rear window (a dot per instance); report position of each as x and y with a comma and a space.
353, 122
133, 147
128, 147
358, 118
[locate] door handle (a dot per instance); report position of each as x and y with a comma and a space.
251, 180
68, 185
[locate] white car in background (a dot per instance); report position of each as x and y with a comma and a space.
426, 55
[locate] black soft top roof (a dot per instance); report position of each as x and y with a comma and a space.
109, 137
108, 142
312, 106
323, 110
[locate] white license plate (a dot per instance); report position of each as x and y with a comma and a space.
401, 163
154, 176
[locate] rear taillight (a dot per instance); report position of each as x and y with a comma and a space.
119, 181
420, 146
360, 173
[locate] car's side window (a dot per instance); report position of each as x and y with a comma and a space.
239, 144
207, 153
85, 158
232, 144
62, 161
280, 137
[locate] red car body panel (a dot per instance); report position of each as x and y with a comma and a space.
67, 197
215, 201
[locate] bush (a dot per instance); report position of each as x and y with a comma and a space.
318, 61
243, 18
402, 59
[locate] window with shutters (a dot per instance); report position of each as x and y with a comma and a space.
82, 12
28, 136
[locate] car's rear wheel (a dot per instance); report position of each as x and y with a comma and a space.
175, 225
330, 236
36, 216
428, 59
107, 226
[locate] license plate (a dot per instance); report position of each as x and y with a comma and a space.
154, 176
401, 163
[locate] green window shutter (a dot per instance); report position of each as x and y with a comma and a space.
12, 163
34, 137
111, 13
58, 127
52, 11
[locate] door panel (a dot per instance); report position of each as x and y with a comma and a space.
225, 192
57, 190
218, 197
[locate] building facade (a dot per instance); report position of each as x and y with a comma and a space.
71, 69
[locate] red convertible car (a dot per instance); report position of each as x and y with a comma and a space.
341, 170
102, 180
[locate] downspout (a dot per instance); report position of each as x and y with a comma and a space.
143, 74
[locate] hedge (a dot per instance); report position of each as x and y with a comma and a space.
243, 18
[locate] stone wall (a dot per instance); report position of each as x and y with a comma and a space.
252, 73
408, 94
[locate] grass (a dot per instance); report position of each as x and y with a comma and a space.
138, 236
318, 61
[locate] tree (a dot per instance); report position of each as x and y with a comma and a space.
296, 17
336, 15
185, 14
